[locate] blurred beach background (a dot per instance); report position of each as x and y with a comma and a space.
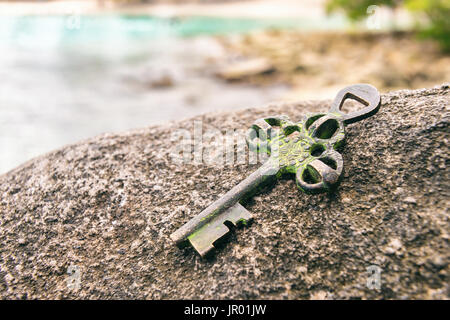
74, 69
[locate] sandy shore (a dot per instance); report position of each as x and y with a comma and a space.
316, 65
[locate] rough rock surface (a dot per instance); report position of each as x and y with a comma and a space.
109, 204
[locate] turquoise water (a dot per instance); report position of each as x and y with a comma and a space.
102, 28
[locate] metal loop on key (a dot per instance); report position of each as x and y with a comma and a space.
262, 131
322, 173
328, 129
366, 94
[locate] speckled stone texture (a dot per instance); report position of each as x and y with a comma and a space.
109, 204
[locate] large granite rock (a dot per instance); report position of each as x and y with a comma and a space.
108, 205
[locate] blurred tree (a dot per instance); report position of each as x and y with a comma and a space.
433, 16
437, 12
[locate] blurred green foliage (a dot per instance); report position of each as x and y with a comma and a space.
433, 16
356, 9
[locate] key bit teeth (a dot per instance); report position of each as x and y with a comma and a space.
204, 238
237, 214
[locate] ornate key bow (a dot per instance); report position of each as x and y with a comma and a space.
307, 148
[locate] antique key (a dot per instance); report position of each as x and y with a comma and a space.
307, 148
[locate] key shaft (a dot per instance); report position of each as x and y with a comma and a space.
246, 188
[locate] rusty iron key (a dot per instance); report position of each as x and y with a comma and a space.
307, 148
